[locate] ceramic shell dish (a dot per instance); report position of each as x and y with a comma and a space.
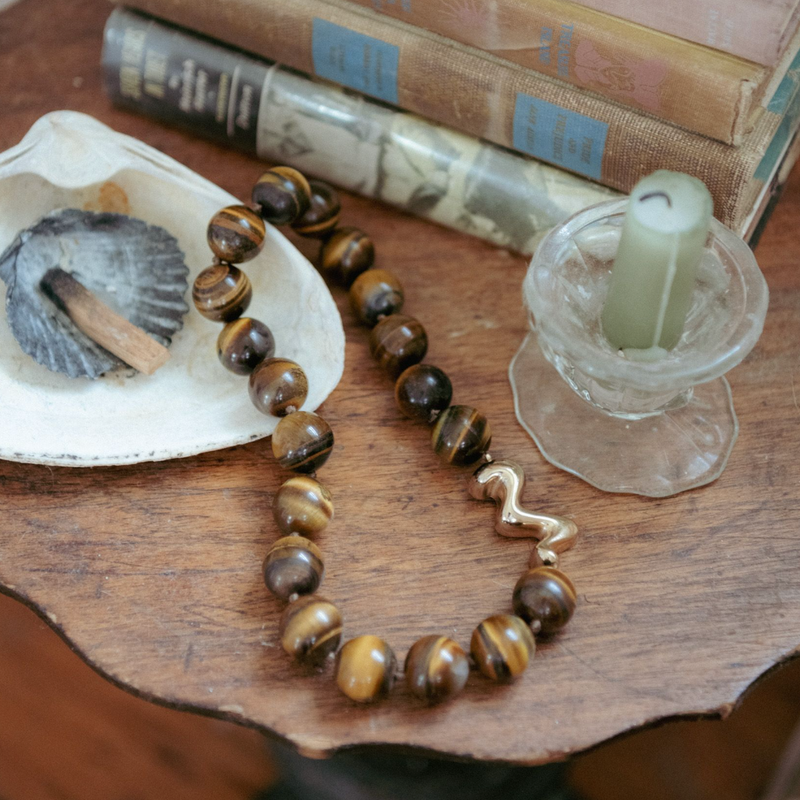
135, 268
192, 404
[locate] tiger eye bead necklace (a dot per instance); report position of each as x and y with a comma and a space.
436, 667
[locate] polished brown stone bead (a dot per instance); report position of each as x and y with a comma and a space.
397, 342
243, 344
436, 668
302, 442
502, 646
293, 566
278, 386
310, 629
423, 391
282, 194
365, 669
236, 234
375, 293
322, 215
302, 505
461, 435
546, 596
222, 292
348, 253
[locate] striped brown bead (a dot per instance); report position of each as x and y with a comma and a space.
502, 646
375, 293
422, 391
302, 505
347, 254
323, 211
436, 668
545, 595
302, 442
278, 386
461, 435
397, 342
365, 669
282, 195
236, 234
243, 344
310, 629
222, 292
293, 566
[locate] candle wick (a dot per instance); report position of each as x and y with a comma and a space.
650, 195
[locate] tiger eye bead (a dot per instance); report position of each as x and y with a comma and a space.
293, 566
397, 342
236, 234
376, 293
302, 442
278, 386
243, 344
365, 669
422, 391
222, 292
310, 629
302, 506
282, 194
461, 435
323, 211
348, 253
436, 668
546, 596
502, 646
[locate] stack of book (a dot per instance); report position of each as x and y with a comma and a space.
603, 91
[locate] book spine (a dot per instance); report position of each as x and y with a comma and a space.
476, 93
339, 136
695, 87
753, 29
753, 227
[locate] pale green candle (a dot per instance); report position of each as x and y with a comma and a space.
665, 230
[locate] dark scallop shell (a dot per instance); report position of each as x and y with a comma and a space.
136, 269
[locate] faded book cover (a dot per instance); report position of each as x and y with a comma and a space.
484, 96
695, 87
758, 30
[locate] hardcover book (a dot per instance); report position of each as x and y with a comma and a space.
695, 87
359, 144
487, 97
755, 29
337, 135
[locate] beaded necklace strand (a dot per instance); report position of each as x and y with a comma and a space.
436, 667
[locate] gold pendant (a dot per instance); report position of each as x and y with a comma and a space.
503, 482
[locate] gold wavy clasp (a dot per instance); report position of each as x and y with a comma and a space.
503, 482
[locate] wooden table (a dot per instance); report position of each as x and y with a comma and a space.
152, 571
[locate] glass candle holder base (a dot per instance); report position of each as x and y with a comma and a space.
648, 421
656, 456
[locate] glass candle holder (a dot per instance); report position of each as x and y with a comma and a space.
624, 424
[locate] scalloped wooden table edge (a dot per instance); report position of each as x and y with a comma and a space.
720, 712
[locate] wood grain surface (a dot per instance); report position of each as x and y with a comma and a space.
67, 734
152, 571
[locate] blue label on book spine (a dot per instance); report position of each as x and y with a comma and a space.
564, 138
355, 60
785, 101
